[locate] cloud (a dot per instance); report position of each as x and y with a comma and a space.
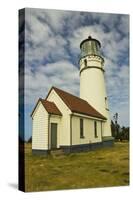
52, 52
61, 74
41, 43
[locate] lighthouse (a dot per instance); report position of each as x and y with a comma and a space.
64, 121
92, 80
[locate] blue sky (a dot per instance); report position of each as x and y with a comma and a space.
52, 40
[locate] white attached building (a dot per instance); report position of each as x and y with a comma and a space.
64, 121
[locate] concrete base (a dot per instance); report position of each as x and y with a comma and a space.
86, 147
107, 142
40, 152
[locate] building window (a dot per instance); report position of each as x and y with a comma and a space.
95, 129
85, 63
81, 128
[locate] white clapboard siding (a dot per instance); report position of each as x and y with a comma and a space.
89, 136
65, 121
40, 128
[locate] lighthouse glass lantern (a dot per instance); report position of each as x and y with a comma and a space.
90, 46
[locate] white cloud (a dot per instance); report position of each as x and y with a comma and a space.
41, 42
61, 74
52, 43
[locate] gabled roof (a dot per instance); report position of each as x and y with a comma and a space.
76, 104
50, 107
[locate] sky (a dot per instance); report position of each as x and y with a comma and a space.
52, 53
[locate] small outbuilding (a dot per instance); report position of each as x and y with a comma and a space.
64, 121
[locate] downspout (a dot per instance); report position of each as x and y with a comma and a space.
48, 131
70, 129
101, 131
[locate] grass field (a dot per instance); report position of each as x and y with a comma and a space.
99, 168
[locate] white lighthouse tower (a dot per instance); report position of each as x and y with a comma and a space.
92, 83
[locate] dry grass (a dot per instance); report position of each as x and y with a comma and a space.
99, 168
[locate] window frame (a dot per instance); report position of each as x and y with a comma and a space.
95, 129
81, 128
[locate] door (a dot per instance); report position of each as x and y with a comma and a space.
53, 135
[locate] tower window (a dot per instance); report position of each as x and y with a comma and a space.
81, 129
95, 129
106, 106
85, 63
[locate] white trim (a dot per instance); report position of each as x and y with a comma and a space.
53, 115
89, 117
